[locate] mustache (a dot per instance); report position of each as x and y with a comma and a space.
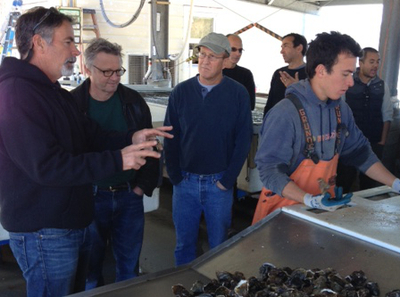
70, 60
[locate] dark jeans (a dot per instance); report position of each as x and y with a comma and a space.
119, 220
53, 261
346, 175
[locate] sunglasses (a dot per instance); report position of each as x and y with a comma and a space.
44, 17
40, 22
234, 49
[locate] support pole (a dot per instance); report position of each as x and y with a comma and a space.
389, 44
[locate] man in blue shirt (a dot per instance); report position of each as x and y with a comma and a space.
212, 132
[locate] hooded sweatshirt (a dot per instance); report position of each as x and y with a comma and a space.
50, 153
282, 140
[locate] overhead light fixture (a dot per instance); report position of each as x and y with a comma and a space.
270, 2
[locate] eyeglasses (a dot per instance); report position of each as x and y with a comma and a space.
211, 58
234, 49
44, 17
109, 73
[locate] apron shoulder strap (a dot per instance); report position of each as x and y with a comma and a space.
309, 151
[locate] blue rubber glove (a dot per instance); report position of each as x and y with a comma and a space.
325, 202
396, 185
339, 195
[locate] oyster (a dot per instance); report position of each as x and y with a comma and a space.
242, 288
394, 293
225, 278
373, 288
197, 288
357, 278
180, 291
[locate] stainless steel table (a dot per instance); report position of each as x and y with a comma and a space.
281, 239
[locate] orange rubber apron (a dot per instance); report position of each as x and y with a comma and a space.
306, 177
307, 174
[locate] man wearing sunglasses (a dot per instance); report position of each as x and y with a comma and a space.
238, 73
50, 154
119, 211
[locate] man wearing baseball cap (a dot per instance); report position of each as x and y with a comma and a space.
212, 132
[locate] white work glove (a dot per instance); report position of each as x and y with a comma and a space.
325, 202
396, 185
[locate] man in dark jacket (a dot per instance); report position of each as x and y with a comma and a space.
119, 211
50, 154
369, 100
293, 50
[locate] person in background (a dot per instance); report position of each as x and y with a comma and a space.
212, 132
238, 73
303, 136
293, 50
50, 154
243, 76
369, 100
119, 210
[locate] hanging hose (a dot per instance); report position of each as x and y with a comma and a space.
174, 58
135, 16
155, 56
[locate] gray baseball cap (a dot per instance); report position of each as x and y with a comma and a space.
216, 42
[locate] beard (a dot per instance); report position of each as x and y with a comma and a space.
68, 67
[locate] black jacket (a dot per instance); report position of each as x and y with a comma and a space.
50, 153
366, 103
137, 115
277, 90
245, 77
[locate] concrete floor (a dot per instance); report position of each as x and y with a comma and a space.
158, 246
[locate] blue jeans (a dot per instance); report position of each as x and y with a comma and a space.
194, 195
53, 261
119, 219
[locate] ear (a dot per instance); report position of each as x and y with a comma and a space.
320, 70
87, 70
299, 48
226, 63
38, 43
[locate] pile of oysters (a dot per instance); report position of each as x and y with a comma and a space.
285, 282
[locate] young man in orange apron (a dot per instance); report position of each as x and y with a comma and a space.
303, 136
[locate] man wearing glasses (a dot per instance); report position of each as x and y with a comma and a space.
50, 154
238, 73
119, 212
212, 133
